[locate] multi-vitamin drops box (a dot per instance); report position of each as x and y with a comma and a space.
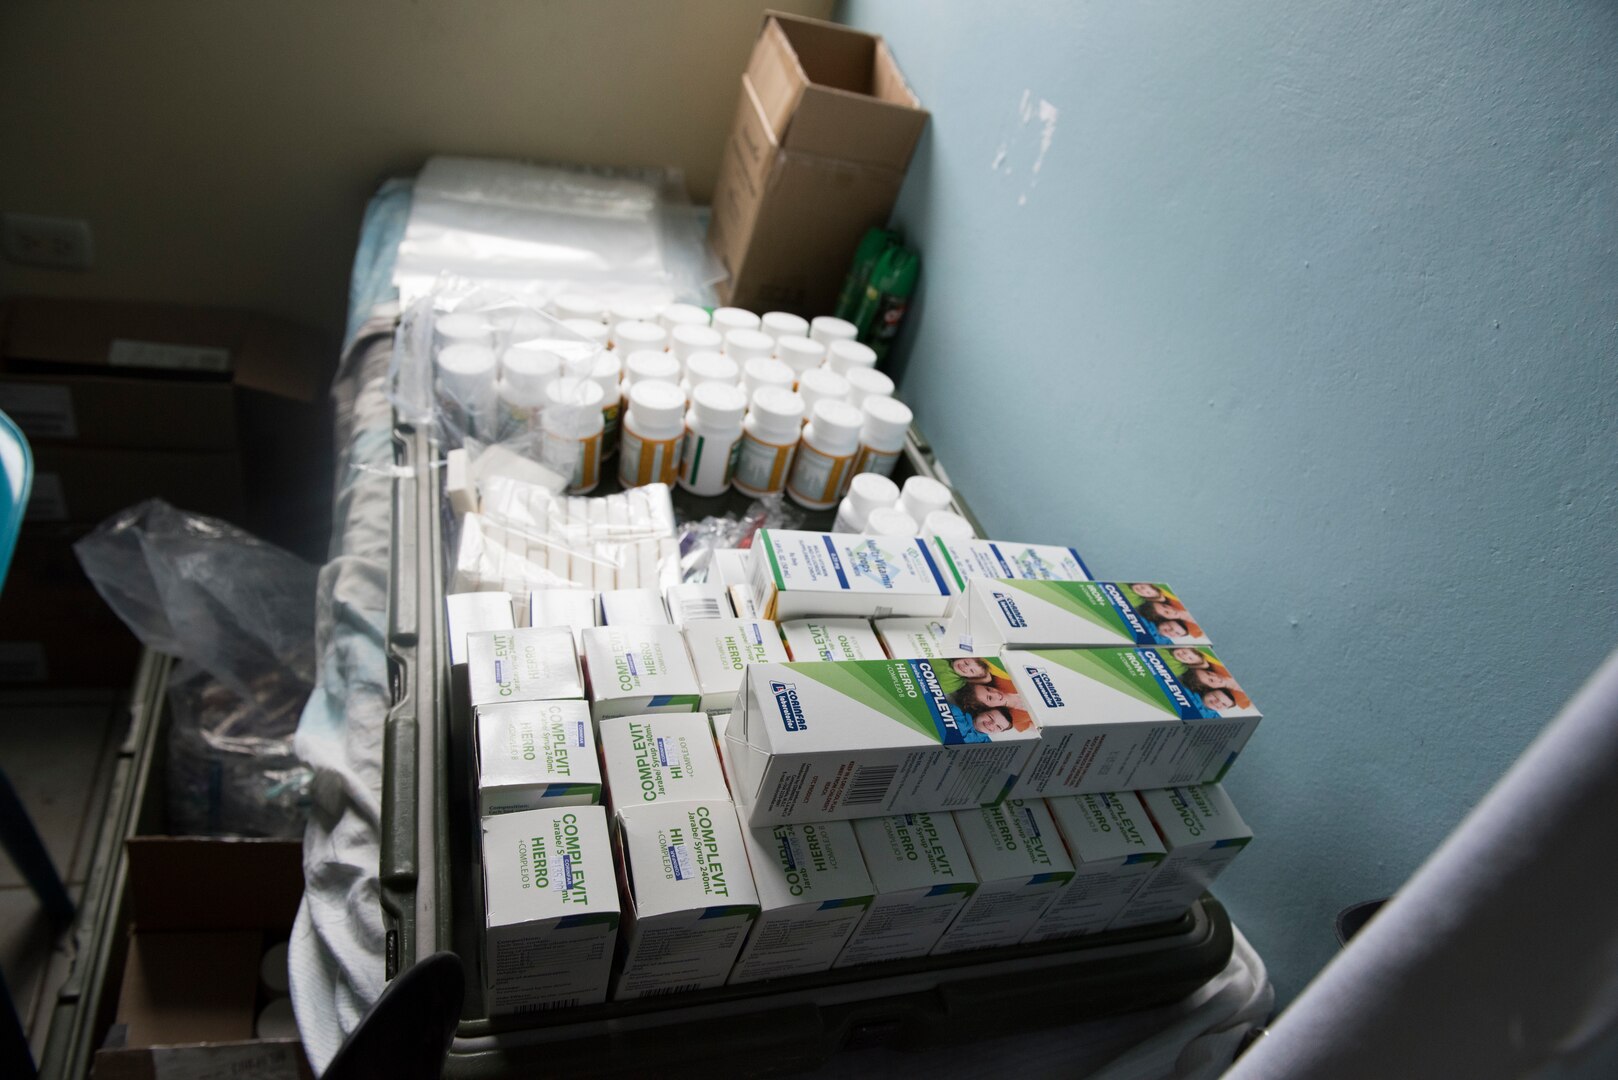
720, 651
536, 754
832, 639
863, 738
922, 875
999, 613
1202, 832
691, 897
532, 664
1122, 719
1021, 867
661, 758
813, 890
1114, 850
822, 574
551, 900
969, 559
637, 669
917, 639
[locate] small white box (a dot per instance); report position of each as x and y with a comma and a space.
1202, 831
1000, 614
1123, 719
813, 890
572, 608
832, 639
533, 664
639, 669
720, 651
922, 876
697, 601
691, 897
552, 909
467, 613
731, 566
637, 607
459, 489
661, 758
1114, 850
804, 573
918, 639
1021, 867
536, 754
966, 560
742, 602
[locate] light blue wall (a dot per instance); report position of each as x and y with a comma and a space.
1311, 310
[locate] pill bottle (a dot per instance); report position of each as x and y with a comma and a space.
682, 315
865, 383
705, 367
769, 436
525, 370
649, 440
866, 492
842, 356
633, 335
831, 438
947, 524
605, 369
580, 306
829, 328
595, 332
744, 345
686, 341
572, 423
761, 371
801, 354
649, 365
619, 311
466, 378
882, 434
458, 329
713, 437
921, 495
821, 384
890, 521
726, 319
780, 324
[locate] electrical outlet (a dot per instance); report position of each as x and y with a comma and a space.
57, 243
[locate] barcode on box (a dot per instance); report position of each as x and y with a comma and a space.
699, 607
665, 991
42, 411
546, 1006
870, 785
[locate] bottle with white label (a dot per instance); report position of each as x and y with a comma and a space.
882, 435
706, 367
769, 438
866, 492
829, 328
462, 329
649, 365
830, 441
580, 306
801, 354
843, 356
589, 329
745, 345
726, 319
948, 525
713, 437
526, 369
466, 377
821, 384
921, 495
653, 429
780, 324
686, 341
676, 315
572, 423
633, 335
890, 521
604, 369
865, 383
761, 371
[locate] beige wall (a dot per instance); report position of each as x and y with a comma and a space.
222, 150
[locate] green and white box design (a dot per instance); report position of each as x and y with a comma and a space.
720, 651
1021, 867
917, 639
1124, 719
865, 738
1114, 850
536, 754
691, 897
637, 669
812, 892
923, 876
822, 574
661, 758
1202, 832
552, 904
832, 639
1004, 614
531, 664
968, 560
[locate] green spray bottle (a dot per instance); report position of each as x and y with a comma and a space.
887, 296
872, 246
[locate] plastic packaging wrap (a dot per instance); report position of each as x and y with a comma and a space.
700, 539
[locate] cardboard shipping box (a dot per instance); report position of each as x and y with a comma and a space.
54, 628
825, 128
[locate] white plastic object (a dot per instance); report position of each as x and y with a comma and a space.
829, 328
713, 432
865, 383
454, 328
633, 335
580, 306
890, 521
574, 423
744, 345
801, 354
780, 324
769, 439
686, 341
466, 375
706, 367
843, 356
620, 311
726, 319
921, 495
524, 374
866, 492
588, 328
649, 439
821, 384
947, 524
825, 456
882, 435
761, 371
650, 364
676, 315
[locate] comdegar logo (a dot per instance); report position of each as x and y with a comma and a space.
786, 700
1008, 608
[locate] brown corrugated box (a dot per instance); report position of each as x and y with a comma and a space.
825, 128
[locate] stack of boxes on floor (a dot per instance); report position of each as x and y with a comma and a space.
1007, 753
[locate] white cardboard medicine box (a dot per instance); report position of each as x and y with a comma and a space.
536, 754
1114, 848
720, 651
1021, 867
1000, 613
922, 875
636, 669
917, 639
1203, 833
823, 574
533, 664
659, 758
832, 639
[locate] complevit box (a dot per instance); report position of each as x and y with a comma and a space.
863, 738
922, 876
697, 601
691, 897
552, 908
999, 613
807, 573
536, 754
813, 890
966, 560
661, 758
634, 606
832, 639
1114, 850
720, 651
475, 611
1021, 867
638, 669
1203, 832
532, 664
1120, 719
917, 639
572, 608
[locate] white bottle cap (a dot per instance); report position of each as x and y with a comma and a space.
457, 329
631, 311
780, 324
841, 356
744, 345
605, 371
922, 495
528, 367
580, 306
889, 521
580, 393
686, 340
865, 383
657, 409
683, 315
948, 524
633, 335
866, 492
726, 319
762, 371
820, 384
650, 364
706, 367
834, 427
718, 405
829, 328
886, 422
467, 371
778, 413
800, 353
588, 328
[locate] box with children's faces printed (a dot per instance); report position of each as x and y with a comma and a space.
1002, 613
1128, 718
831, 740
